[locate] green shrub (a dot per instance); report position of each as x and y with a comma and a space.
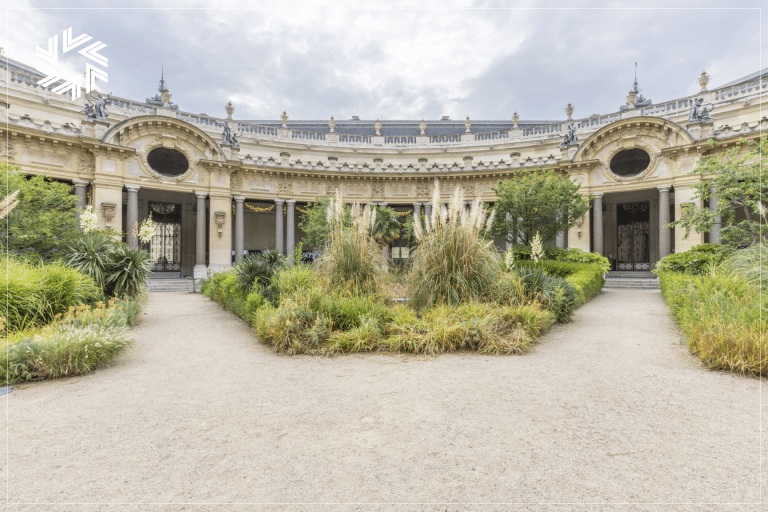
695, 261
574, 255
35, 294
586, 278
295, 280
483, 327
722, 317
523, 252
292, 328
553, 292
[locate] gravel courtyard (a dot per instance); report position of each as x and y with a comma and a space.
609, 412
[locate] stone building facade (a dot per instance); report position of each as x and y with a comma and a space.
221, 187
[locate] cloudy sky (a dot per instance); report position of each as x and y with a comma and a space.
390, 60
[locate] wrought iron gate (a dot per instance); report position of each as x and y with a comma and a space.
634, 236
165, 247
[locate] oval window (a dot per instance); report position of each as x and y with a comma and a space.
169, 162
630, 162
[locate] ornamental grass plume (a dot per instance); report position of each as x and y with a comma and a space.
453, 261
352, 259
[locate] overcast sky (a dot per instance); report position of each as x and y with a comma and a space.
393, 61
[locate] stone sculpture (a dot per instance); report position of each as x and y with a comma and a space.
699, 114
570, 137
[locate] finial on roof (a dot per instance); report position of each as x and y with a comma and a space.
569, 111
423, 126
230, 109
467, 124
377, 127
332, 124
703, 81
284, 118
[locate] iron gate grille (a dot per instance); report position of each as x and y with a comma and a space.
165, 247
634, 235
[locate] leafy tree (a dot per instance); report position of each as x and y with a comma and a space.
541, 202
314, 223
739, 182
44, 220
386, 228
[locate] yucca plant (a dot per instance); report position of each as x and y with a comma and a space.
128, 271
90, 254
453, 261
258, 270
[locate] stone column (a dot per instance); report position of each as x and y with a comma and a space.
279, 226
239, 229
290, 240
416, 210
82, 197
427, 209
714, 231
664, 234
200, 265
132, 215
598, 223
384, 249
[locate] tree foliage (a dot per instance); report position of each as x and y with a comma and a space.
541, 202
314, 224
43, 221
738, 179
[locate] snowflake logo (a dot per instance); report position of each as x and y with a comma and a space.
48, 63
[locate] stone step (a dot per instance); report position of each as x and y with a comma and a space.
171, 285
641, 283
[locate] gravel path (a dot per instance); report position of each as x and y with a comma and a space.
609, 412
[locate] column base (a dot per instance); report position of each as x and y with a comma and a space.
204, 272
200, 272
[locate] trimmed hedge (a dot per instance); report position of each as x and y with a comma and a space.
695, 261
587, 278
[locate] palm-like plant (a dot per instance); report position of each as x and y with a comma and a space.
129, 269
258, 271
90, 254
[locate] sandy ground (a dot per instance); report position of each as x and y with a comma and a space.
609, 412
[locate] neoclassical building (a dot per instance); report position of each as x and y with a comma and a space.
221, 187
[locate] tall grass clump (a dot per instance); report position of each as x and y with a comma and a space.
751, 264
453, 261
77, 342
721, 318
352, 258
36, 293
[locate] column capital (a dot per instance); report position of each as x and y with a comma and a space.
81, 183
279, 201
133, 188
201, 195
664, 188
597, 195
290, 201
417, 204
239, 199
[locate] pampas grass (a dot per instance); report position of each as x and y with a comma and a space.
453, 262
